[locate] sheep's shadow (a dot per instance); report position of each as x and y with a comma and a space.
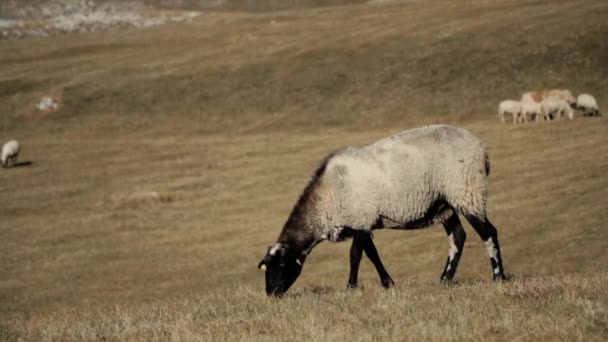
23, 163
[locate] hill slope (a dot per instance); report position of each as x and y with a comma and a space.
178, 151
349, 66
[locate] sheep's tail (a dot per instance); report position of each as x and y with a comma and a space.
487, 162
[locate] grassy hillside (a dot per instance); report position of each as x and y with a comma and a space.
226, 118
354, 66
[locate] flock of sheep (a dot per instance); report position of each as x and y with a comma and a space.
554, 104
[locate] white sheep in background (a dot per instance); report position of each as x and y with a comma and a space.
555, 94
561, 94
509, 107
411, 180
587, 105
556, 109
532, 96
10, 152
532, 110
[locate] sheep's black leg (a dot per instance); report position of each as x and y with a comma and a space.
362, 241
356, 251
489, 235
457, 237
372, 254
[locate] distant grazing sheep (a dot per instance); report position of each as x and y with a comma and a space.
561, 94
532, 96
556, 109
509, 107
542, 95
411, 180
532, 111
587, 105
10, 152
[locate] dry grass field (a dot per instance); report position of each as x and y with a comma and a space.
226, 118
558, 307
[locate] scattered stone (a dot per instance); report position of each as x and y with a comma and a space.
65, 16
48, 104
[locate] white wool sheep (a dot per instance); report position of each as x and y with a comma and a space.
531, 110
10, 152
556, 109
509, 107
556, 94
587, 104
532, 96
411, 180
561, 94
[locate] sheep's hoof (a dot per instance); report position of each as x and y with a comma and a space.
387, 283
449, 283
351, 286
446, 281
499, 277
446, 277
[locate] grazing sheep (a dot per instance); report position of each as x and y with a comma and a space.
532, 110
561, 94
509, 107
532, 96
10, 152
411, 180
542, 95
587, 104
556, 109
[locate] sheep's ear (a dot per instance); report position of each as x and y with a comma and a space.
298, 262
262, 265
265, 260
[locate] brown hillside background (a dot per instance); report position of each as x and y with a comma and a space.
225, 119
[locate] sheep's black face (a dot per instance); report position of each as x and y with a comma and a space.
282, 270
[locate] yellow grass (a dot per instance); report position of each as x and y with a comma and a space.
225, 120
564, 307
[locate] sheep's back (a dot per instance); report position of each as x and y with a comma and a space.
587, 101
10, 148
402, 176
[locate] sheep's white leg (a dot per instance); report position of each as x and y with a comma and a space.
456, 237
543, 116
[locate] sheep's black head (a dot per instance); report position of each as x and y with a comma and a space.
282, 267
